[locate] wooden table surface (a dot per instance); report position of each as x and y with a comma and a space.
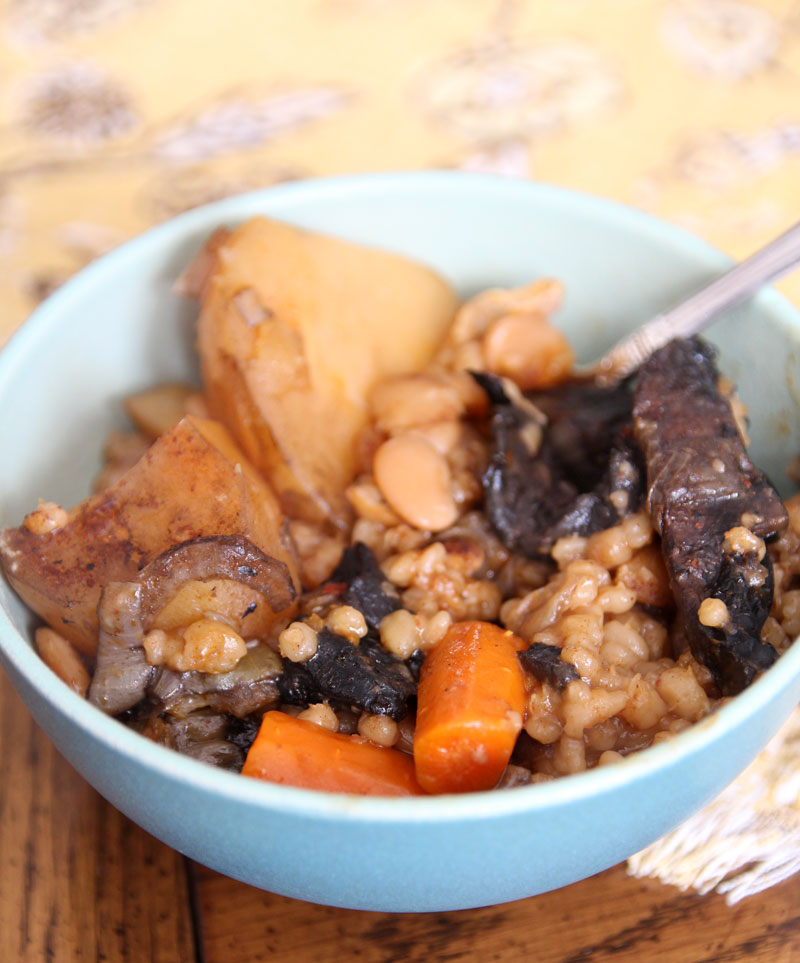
80, 882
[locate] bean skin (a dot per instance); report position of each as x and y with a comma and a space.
415, 480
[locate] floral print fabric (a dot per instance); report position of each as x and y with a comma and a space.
116, 114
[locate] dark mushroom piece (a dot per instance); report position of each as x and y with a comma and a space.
127, 609
702, 485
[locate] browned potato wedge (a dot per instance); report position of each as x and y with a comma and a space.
195, 276
158, 409
193, 481
121, 452
294, 330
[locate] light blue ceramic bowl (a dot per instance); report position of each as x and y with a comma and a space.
117, 328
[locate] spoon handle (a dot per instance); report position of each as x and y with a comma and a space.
690, 316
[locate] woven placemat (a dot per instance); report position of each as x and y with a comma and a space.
747, 839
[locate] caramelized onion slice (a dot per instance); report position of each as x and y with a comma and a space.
251, 687
127, 609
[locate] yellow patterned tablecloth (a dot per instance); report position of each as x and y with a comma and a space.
116, 114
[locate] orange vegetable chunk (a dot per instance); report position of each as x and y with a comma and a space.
300, 753
470, 707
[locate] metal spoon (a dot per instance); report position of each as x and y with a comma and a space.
690, 316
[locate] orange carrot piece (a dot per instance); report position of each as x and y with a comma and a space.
299, 753
470, 706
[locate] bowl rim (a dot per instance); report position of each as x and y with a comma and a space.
278, 201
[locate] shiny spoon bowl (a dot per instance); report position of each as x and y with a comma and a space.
692, 315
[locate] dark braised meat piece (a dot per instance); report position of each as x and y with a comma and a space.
297, 686
586, 514
583, 422
535, 490
595, 510
525, 490
735, 653
242, 732
363, 584
624, 474
414, 663
702, 484
363, 675
544, 662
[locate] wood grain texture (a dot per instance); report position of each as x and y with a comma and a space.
78, 881
610, 917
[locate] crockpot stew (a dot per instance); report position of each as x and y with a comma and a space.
394, 546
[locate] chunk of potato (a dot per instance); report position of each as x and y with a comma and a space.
193, 481
294, 330
158, 409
